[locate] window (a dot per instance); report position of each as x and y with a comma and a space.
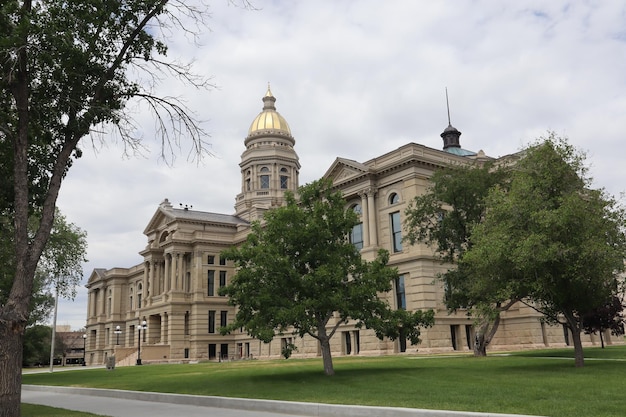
396, 231
400, 293
139, 294
211, 283
356, 235
223, 318
284, 179
132, 306
186, 326
222, 279
211, 260
265, 178
222, 261
394, 198
212, 351
211, 321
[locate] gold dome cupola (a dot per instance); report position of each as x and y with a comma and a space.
269, 165
269, 122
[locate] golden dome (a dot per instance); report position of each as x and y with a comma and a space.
269, 119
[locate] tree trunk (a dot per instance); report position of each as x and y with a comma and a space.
579, 357
327, 357
480, 347
11, 335
574, 326
484, 335
601, 339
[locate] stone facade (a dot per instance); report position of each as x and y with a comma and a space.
175, 289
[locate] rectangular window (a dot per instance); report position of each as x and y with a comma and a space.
222, 261
284, 182
223, 318
222, 279
211, 321
356, 236
212, 351
211, 260
265, 181
396, 231
186, 353
400, 294
211, 283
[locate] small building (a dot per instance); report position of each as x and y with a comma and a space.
175, 290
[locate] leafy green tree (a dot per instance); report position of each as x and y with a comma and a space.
443, 218
64, 76
550, 239
59, 269
609, 316
298, 273
36, 345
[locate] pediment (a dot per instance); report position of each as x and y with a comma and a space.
160, 218
344, 169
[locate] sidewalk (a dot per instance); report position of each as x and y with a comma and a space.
118, 403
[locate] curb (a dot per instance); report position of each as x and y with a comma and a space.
281, 407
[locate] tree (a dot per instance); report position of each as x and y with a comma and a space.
609, 316
60, 265
65, 69
443, 218
551, 240
297, 273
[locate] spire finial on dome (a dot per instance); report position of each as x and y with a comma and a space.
450, 134
447, 105
269, 99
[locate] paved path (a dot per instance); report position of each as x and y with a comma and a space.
118, 403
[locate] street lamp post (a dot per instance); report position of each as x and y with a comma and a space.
117, 331
84, 348
141, 326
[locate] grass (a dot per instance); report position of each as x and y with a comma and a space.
32, 410
532, 382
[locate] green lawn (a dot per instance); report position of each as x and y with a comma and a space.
32, 410
532, 382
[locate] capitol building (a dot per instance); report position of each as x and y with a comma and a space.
168, 307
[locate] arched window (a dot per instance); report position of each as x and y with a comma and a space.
284, 178
264, 179
356, 235
394, 198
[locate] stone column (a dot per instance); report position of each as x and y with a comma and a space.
166, 277
364, 220
147, 287
371, 216
150, 271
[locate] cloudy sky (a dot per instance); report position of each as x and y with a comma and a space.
357, 79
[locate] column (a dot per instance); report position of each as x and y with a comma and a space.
364, 219
150, 272
147, 287
166, 278
371, 216
174, 272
